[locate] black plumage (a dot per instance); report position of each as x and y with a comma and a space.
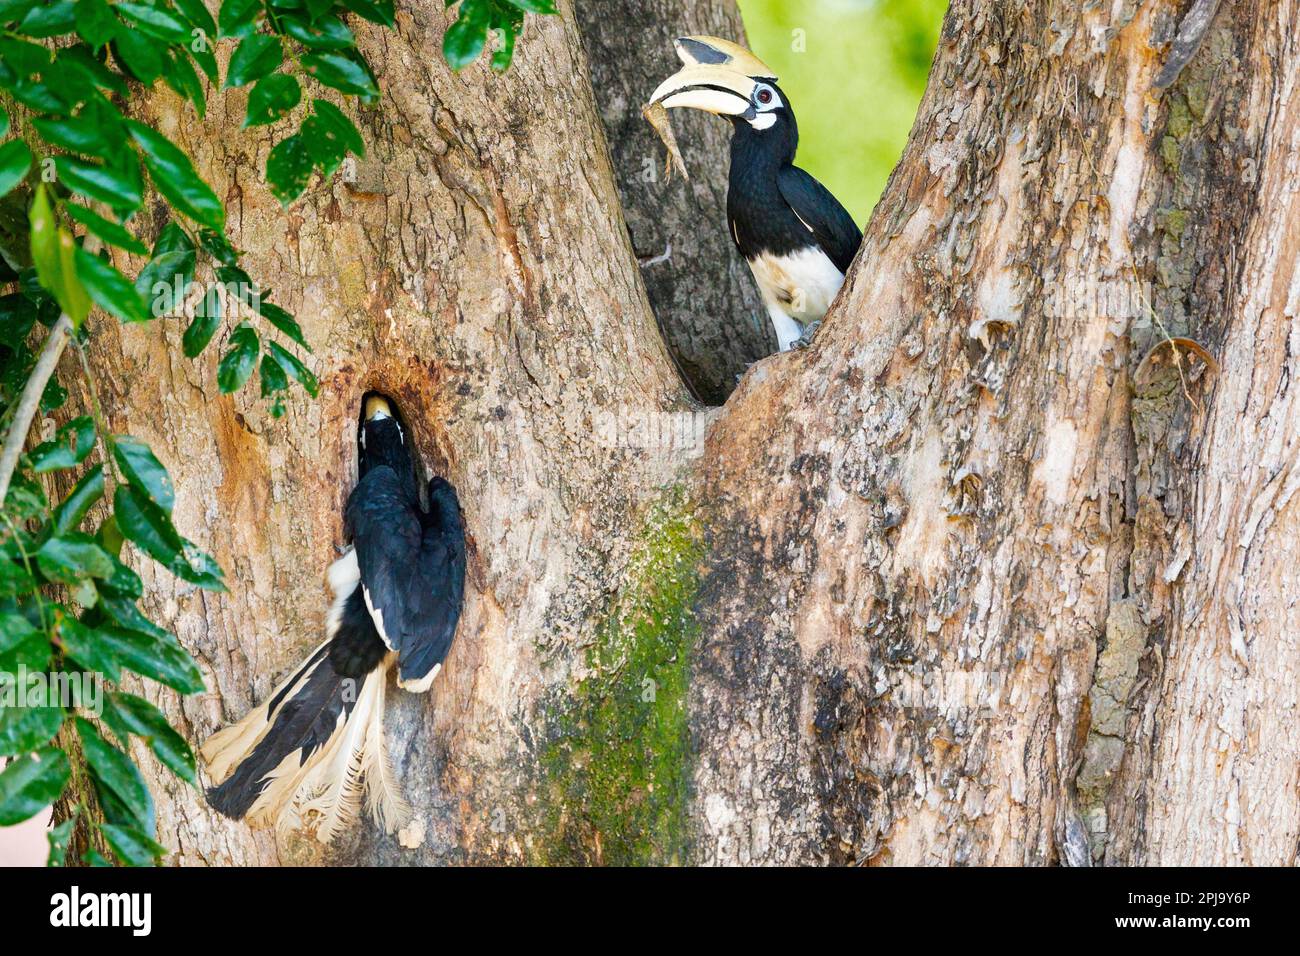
308, 751
774, 206
798, 239
412, 566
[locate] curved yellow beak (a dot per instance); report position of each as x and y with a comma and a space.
718, 77
377, 407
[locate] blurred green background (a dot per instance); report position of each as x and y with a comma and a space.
854, 71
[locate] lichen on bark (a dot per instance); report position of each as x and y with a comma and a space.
617, 761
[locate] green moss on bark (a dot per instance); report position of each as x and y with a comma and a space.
617, 761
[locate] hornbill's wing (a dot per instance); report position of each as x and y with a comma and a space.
412, 578
438, 586
830, 223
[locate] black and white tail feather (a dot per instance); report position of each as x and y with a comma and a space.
305, 758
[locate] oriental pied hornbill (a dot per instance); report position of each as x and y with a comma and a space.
304, 758
796, 237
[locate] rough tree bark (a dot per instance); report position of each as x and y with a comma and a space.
993, 573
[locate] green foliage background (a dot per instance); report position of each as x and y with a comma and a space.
854, 87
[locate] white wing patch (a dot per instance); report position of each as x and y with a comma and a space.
343, 575
422, 684
377, 615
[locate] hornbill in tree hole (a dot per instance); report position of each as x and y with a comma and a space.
304, 758
796, 237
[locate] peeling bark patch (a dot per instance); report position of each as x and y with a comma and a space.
924, 532
617, 765
1056, 466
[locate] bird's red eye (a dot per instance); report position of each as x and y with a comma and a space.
765, 96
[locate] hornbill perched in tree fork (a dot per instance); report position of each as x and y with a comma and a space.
796, 237
305, 756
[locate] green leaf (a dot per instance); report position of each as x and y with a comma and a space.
238, 18
315, 9
272, 377
180, 76
95, 76
53, 254
201, 53
116, 186
21, 644
115, 771
144, 471
324, 145
504, 51
196, 12
50, 20
124, 583
67, 449
237, 364
17, 318
207, 316
39, 96
376, 11
111, 290
271, 99
294, 368
150, 528
464, 40
174, 175
238, 285
107, 230
337, 124
15, 160
24, 729
283, 321
145, 720
340, 72
147, 526
31, 783
140, 56
14, 579
26, 498
131, 846
327, 33
24, 58
95, 132
87, 493
257, 55
59, 837
88, 648
218, 247
167, 277
12, 11
155, 21
74, 556
534, 6
288, 168
156, 657
95, 22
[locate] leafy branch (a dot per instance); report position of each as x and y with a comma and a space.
72, 183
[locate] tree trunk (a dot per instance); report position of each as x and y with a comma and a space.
996, 572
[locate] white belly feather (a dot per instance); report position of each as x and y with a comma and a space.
796, 286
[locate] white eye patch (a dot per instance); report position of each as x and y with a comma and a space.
765, 98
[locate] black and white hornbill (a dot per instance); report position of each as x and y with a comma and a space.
795, 235
305, 757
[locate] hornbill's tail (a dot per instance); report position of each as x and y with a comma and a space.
305, 756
